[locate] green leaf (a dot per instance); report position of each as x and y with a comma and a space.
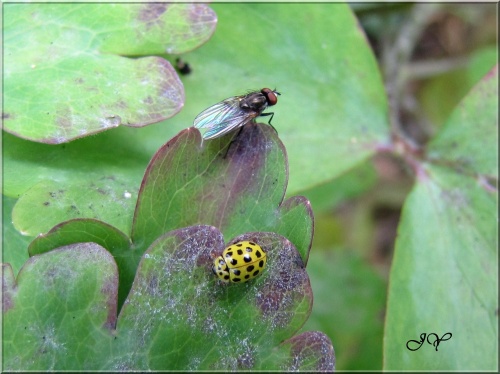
83, 88
177, 315
96, 197
235, 183
61, 310
14, 244
440, 94
93, 231
469, 139
222, 327
444, 276
101, 185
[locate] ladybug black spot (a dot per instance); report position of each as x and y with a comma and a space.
236, 272
258, 254
255, 273
233, 261
229, 254
250, 268
239, 251
247, 259
247, 276
226, 277
236, 280
249, 249
252, 243
261, 263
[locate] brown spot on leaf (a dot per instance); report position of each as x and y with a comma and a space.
108, 177
286, 282
63, 122
110, 290
172, 88
246, 359
311, 346
102, 191
122, 104
201, 17
152, 285
151, 13
8, 287
63, 119
245, 158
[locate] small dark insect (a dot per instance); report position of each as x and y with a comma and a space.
235, 112
183, 67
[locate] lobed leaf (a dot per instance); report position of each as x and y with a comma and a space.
95, 198
235, 183
82, 87
61, 310
221, 326
178, 315
93, 231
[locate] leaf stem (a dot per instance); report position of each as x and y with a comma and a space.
395, 58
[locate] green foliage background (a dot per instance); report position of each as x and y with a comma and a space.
335, 122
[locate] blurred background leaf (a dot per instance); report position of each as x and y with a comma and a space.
444, 276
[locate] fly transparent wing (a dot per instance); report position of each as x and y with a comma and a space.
228, 126
222, 118
217, 113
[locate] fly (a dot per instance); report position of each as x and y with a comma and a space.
235, 112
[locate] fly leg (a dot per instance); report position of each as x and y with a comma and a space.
270, 119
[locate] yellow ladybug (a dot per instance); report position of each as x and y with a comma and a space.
240, 262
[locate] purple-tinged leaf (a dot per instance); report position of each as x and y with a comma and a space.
235, 183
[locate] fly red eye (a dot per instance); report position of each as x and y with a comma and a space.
270, 95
